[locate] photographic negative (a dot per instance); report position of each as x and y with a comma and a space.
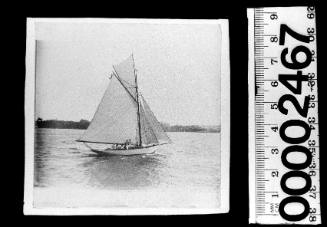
126, 116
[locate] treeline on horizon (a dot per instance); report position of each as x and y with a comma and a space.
83, 124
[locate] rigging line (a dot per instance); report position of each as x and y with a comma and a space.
138, 103
129, 85
118, 78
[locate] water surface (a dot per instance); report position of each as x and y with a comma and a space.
185, 174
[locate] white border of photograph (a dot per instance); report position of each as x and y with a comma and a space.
29, 125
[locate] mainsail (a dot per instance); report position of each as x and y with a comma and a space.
123, 114
126, 74
115, 120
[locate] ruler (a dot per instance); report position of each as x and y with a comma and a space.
283, 116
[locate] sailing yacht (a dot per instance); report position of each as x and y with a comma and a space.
123, 123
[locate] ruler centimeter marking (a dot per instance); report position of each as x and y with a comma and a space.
283, 116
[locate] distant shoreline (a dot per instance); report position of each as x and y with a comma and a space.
83, 124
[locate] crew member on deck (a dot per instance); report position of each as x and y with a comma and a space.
127, 144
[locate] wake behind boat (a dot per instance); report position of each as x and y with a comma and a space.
123, 123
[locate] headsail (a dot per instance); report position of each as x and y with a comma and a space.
152, 130
148, 136
115, 120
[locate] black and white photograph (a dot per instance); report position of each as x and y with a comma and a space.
127, 117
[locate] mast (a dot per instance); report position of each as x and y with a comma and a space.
138, 104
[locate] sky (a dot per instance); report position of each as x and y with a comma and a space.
178, 67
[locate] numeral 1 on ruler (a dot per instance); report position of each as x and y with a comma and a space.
283, 116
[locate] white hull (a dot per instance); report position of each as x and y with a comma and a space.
146, 150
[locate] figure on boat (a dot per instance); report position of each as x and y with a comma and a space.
127, 145
123, 123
